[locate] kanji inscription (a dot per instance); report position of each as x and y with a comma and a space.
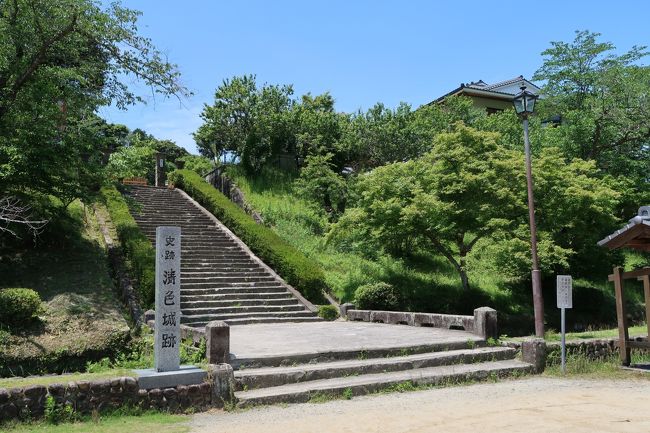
168, 296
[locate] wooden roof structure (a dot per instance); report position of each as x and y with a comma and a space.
635, 235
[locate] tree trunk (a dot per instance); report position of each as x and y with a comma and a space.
463, 273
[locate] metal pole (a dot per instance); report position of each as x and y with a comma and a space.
538, 303
563, 341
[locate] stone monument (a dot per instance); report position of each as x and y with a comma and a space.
167, 370
167, 330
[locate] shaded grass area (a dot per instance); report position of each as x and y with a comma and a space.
82, 318
113, 423
428, 282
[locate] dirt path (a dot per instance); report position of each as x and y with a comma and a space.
532, 405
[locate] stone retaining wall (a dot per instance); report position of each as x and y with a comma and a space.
482, 323
593, 349
87, 396
228, 188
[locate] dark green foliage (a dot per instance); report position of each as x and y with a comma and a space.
319, 184
328, 312
292, 265
137, 247
59, 62
18, 306
378, 296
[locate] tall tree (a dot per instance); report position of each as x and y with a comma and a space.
251, 122
59, 61
603, 99
447, 200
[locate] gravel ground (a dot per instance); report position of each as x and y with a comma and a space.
537, 404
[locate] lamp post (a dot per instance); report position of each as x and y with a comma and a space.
524, 103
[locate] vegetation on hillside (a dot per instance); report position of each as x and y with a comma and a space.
81, 318
410, 197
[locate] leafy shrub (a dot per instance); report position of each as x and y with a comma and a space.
328, 312
321, 185
377, 296
18, 305
55, 414
291, 264
137, 248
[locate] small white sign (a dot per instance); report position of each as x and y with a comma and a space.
564, 291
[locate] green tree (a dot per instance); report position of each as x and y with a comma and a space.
319, 184
602, 98
59, 62
251, 122
132, 161
453, 196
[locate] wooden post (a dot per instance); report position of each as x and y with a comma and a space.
646, 291
621, 315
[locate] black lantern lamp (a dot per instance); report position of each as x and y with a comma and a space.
524, 102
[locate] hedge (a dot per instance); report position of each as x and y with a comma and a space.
299, 271
139, 252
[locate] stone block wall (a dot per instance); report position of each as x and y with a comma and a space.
482, 323
87, 396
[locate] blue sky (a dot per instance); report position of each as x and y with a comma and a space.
361, 52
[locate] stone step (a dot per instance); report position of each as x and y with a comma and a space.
192, 311
259, 320
200, 302
226, 297
192, 320
233, 289
220, 267
219, 279
253, 378
227, 280
368, 383
194, 276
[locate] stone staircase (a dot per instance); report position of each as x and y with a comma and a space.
221, 279
363, 372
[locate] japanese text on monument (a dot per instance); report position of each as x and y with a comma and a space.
168, 297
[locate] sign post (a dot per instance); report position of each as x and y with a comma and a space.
167, 330
564, 301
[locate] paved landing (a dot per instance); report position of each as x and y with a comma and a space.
293, 339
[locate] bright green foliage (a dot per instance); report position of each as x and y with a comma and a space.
378, 296
328, 312
317, 127
60, 61
288, 262
199, 164
602, 98
456, 194
131, 161
251, 122
319, 184
574, 209
139, 252
19, 306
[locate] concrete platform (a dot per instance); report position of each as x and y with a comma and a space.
149, 378
283, 343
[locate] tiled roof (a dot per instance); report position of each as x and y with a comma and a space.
635, 235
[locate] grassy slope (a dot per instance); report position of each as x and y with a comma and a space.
421, 276
429, 282
71, 275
